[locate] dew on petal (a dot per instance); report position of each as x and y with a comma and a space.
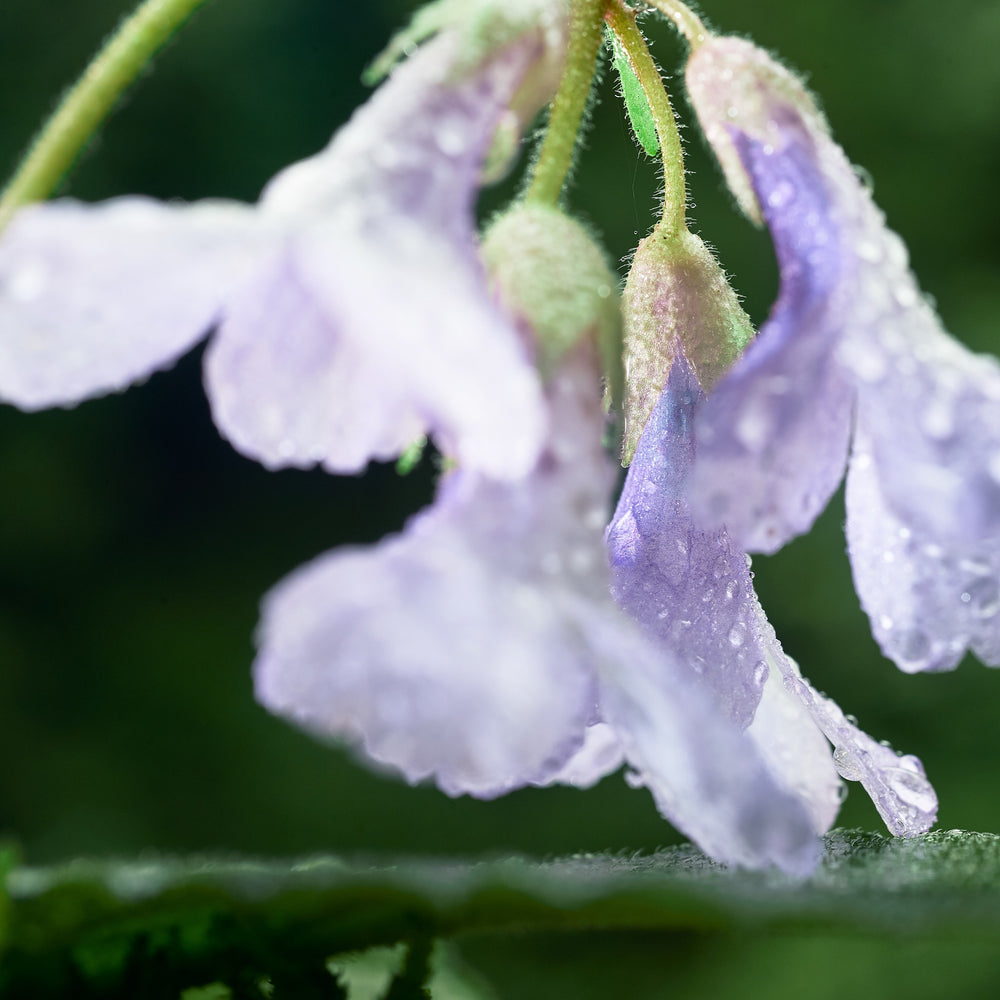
847, 764
737, 635
983, 597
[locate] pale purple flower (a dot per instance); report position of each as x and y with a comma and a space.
692, 592
851, 348
482, 648
351, 309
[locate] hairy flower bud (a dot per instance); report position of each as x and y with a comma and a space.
550, 274
676, 293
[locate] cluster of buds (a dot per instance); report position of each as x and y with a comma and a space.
536, 623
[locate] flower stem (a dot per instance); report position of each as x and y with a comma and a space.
621, 20
91, 99
566, 114
687, 22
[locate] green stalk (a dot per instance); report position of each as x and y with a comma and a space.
566, 114
81, 112
621, 20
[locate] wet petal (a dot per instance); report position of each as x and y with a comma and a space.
600, 755
929, 598
689, 589
93, 298
456, 651
796, 752
705, 775
772, 439
897, 784
384, 262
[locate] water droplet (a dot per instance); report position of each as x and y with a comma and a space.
912, 648
983, 597
866, 179
852, 719
885, 622
28, 281
451, 139
845, 760
755, 423
869, 250
912, 788
737, 635
697, 664
720, 567
905, 294
938, 419
781, 195
760, 673
732, 589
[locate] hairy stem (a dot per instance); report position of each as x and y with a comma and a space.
621, 20
566, 114
91, 99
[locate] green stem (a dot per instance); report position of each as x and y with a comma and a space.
566, 114
88, 103
687, 22
621, 20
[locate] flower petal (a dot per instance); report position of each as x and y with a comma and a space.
705, 775
93, 298
600, 755
689, 589
384, 266
796, 752
928, 602
456, 650
897, 784
772, 438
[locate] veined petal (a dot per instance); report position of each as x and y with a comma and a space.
704, 774
383, 260
897, 784
456, 651
796, 753
95, 297
689, 589
773, 436
929, 598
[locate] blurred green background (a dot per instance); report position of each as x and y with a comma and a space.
135, 544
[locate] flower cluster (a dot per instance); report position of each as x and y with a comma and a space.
524, 630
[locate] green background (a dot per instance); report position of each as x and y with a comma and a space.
135, 544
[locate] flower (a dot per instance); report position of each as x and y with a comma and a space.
351, 308
852, 356
482, 648
691, 590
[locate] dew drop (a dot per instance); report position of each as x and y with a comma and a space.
755, 424
982, 597
720, 567
866, 179
845, 760
28, 281
905, 294
938, 419
869, 250
451, 139
760, 673
912, 648
737, 635
783, 193
912, 788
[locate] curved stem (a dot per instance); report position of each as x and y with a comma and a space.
566, 114
687, 22
621, 20
88, 103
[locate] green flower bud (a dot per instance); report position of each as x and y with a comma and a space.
549, 273
676, 297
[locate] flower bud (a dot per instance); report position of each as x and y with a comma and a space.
676, 298
550, 274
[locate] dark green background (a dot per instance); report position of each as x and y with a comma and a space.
135, 544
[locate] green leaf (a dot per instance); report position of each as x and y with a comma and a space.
120, 926
639, 114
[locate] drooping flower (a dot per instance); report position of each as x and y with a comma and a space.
351, 308
851, 352
691, 590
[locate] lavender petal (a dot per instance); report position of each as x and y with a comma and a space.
94, 298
